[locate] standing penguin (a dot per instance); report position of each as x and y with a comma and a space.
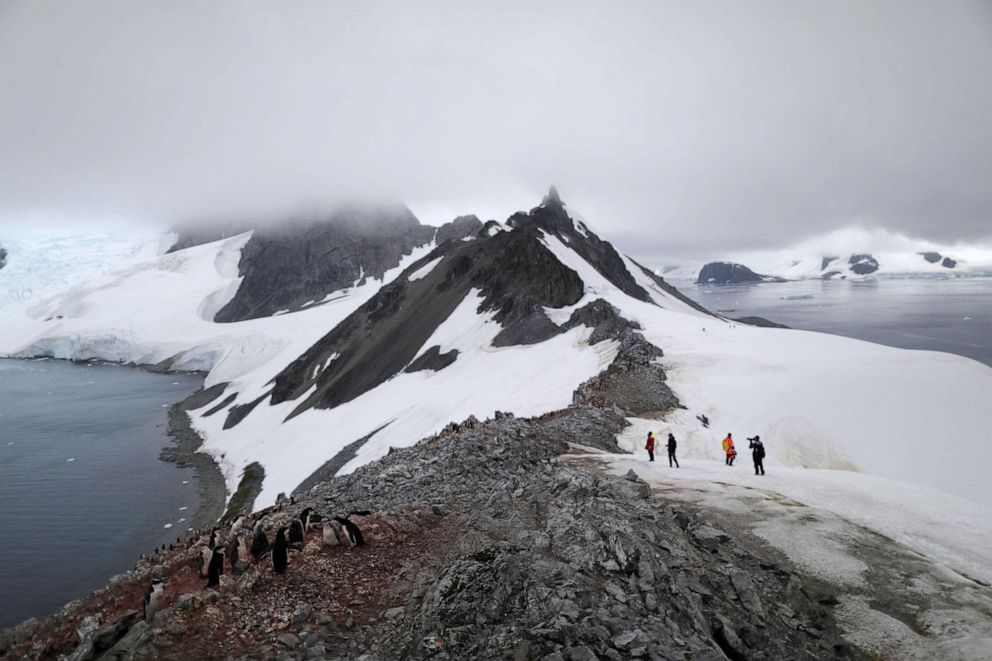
280, 552
259, 542
213, 539
216, 568
233, 547
309, 518
203, 560
352, 531
332, 533
296, 532
153, 598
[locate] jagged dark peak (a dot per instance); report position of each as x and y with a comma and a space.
460, 228
289, 265
932, 257
603, 318
3, 257
514, 271
553, 218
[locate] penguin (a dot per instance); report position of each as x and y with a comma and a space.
352, 531
203, 560
154, 598
259, 542
242, 549
332, 533
213, 539
216, 567
237, 525
309, 518
232, 549
280, 552
296, 532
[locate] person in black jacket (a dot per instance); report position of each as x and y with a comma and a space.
671, 450
758, 454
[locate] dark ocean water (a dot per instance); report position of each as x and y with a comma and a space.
82, 490
952, 315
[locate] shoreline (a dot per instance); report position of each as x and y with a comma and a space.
183, 451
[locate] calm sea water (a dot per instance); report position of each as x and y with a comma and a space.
952, 315
82, 491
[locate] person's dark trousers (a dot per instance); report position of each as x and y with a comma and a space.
759, 465
727, 460
651, 455
671, 458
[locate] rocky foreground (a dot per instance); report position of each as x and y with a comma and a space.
486, 541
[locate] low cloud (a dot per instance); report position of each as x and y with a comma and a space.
689, 127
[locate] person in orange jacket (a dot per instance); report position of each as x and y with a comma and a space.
728, 448
649, 446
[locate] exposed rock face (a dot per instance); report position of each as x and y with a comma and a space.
948, 263
728, 273
433, 359
193, 234
932, 257
515, 273
863, 264
289, 265
458, 229
3, 257
552, 218
826, 261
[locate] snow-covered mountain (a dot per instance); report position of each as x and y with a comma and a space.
852, 253
425, 326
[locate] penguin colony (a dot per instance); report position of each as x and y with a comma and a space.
211, 553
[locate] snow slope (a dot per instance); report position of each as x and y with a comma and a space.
819, 401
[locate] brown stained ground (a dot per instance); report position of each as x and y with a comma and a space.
345, 589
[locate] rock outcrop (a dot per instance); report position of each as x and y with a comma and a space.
728, 273
862, 264
289, 265
3, 257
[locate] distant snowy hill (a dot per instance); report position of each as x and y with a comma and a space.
848, 254
425, 326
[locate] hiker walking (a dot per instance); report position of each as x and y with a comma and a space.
758, 454
728, 448
671, 450
649, 446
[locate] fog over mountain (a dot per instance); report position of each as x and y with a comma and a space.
683, 128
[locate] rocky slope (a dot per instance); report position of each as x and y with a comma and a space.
3, 257
484, 541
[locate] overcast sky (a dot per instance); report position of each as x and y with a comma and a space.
674, 126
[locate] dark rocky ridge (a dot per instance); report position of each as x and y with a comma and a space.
460, 228
932, 257
287, 266
552, 217
728, 273
3, 257
514, 271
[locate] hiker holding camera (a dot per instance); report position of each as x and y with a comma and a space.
757, 454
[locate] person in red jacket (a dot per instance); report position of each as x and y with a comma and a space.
728, 448
649, 446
